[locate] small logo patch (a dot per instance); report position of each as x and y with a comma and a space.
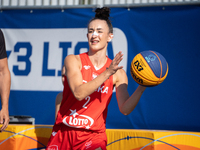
94, 75
87, 67
150, 58
54, 133
88, 144
52, 147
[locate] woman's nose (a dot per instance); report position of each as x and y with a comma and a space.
95, 33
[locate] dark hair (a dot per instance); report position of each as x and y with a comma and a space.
103, 14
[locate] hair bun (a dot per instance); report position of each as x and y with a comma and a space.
102, 13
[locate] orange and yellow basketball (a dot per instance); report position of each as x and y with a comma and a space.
149, 68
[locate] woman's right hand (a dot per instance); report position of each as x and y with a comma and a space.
115, 62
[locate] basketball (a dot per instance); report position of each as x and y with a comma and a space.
149, 68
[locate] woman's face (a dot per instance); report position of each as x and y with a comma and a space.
98, 34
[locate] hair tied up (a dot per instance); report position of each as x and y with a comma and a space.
102, 13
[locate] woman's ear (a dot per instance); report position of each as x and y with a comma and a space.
110, 37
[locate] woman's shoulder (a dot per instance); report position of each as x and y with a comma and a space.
72, 60
72, 56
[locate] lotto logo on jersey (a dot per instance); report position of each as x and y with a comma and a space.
78, 121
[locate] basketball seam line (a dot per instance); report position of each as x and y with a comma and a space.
160, 65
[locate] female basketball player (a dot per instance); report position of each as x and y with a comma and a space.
91, 76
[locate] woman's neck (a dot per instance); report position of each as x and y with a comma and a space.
98, 58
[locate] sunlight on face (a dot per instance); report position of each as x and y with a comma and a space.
98, 34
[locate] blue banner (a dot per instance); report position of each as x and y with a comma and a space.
37, 41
